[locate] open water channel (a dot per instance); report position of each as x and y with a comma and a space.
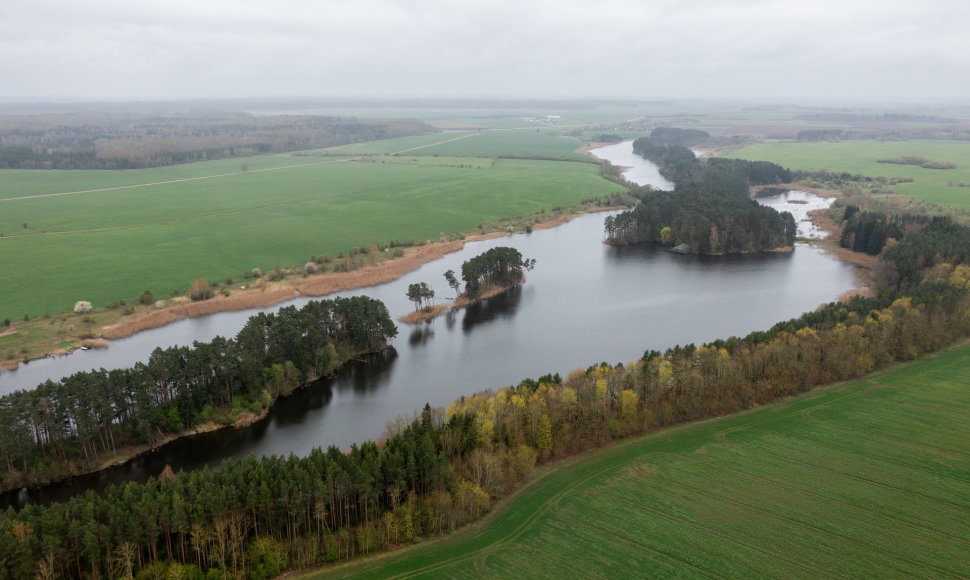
584, 303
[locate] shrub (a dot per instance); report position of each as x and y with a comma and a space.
200, 290
310, 267
82, 307
147, 297
257, 273
6, 322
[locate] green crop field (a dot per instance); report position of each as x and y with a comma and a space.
931, 185
863, 479
159, 229
528, 141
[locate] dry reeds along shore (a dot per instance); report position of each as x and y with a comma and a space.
263, 294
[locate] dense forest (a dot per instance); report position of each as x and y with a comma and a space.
96, 140
709, 210
868, 232
255, 518
73, 425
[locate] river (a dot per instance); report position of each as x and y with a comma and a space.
584, 303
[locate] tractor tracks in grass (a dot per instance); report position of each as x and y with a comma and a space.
831, 500
723, 536
182, 180
863, 545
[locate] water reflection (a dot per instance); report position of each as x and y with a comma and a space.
421, 333
502, 306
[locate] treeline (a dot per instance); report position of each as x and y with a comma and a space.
130, 141
867, 231
499, 266
709, 210
919, 161
678, 137
255, 518
66, 427
940, 241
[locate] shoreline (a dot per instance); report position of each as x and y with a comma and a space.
264, 294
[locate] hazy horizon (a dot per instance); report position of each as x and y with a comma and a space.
769, 50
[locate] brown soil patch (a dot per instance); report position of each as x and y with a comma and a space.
8, 332
464, 301
423, 315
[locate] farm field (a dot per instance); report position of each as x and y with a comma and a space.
869, 478
931, 185
161, 228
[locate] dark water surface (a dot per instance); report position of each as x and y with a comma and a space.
584, 303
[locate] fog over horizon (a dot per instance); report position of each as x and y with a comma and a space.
769, 50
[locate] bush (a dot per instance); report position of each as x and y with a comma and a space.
147, 297
200, 290
257, 273
310, 267
82, 307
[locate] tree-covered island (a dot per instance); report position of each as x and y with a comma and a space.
710, 209
487, 274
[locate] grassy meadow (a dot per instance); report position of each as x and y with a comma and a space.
869, 478
930, 185
160, 228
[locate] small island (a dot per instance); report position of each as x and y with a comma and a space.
487, 274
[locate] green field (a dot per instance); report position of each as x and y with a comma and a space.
931, 185
161, 228
863, 479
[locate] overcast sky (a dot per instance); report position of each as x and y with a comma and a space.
151, 49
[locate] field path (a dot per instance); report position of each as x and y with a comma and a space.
170, 181
435, 144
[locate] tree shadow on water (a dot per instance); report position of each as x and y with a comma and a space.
505, 305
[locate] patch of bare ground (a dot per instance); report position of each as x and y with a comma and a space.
424, 314
464, 301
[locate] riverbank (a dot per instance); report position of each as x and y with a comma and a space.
59, 335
